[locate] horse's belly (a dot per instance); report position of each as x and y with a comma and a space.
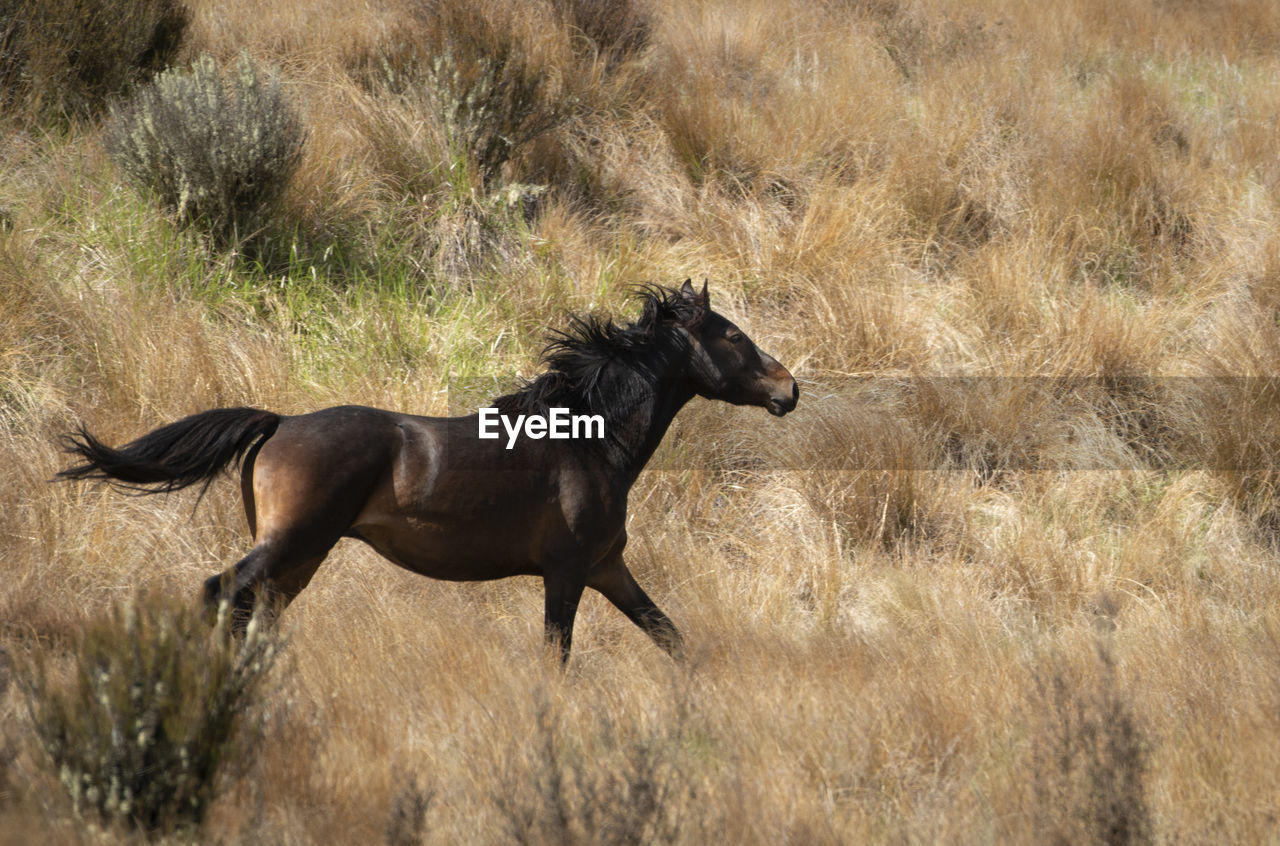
454, 553
447, 520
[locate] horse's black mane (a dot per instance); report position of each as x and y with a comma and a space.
577, 358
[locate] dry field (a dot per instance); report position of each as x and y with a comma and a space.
1011, 571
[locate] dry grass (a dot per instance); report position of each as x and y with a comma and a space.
1007, 575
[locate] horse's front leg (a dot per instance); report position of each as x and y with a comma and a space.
614, 582
563, 592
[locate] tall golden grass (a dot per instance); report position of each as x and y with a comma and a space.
1008, 574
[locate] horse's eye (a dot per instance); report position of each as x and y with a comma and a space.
733, 336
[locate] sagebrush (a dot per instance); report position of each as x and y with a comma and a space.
64, 59
155, 706
218, 153
491, 78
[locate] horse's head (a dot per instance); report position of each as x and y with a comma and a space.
725, 364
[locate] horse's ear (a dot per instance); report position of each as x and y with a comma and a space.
694, 305
697, 298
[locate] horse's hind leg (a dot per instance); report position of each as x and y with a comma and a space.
274, 572
302, 490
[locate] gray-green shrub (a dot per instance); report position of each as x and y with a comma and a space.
1091, 760
69, 58
619, 788
490, 80
152, 712
217, 152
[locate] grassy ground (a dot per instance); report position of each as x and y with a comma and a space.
1008, 574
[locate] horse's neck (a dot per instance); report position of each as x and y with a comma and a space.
637, 427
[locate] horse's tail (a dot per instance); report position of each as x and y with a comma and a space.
176, 456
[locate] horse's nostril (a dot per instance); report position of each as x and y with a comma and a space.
779, 406
795, 392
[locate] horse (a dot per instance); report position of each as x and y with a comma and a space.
434, 497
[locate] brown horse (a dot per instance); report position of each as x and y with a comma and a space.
431, 495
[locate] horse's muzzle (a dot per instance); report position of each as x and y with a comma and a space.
778, 406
